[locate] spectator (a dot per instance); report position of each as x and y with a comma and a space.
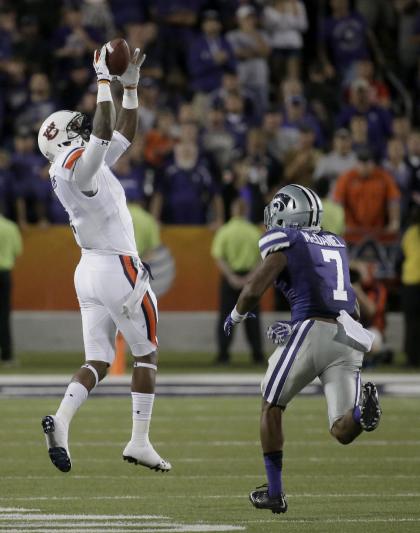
10, 248
344, 38
159, 140
397, 167
411, 291
277, 143
297, 115
150, 103
378, 91
332, 213
284, 22
265, 174
401, 129
97, 14
217, 140
323, 97
8, 33
359, 133
128, 12
251, 49
369, 196
236, 122
177, 21
74, 40
128, 178
209, 55
31, 47
39, 105
378, 118
235, 250
231, 84
28, 188
186, 192
300, 163
372, 296
340, 159
146, 37
75, 86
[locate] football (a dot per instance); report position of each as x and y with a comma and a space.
117, 56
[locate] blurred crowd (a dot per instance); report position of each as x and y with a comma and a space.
237, 99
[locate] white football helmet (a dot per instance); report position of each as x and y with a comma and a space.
294, 206
61, 130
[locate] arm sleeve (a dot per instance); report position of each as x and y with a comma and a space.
88, 164
119, 145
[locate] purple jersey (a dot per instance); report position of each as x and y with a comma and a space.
316, 280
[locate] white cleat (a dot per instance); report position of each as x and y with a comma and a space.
145, 456
56, 433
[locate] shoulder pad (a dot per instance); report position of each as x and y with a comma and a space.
71, 157
276, 239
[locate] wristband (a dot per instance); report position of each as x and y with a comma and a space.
236, 317
104, 92
130, 99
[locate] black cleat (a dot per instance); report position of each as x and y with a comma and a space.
261, 500
56, 438
370, 411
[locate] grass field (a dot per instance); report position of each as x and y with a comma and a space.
372, 485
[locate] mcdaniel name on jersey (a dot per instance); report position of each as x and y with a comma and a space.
322, 240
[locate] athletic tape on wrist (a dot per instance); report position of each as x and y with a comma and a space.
236, 317
94, 372
137, 364
130, 99
104, 92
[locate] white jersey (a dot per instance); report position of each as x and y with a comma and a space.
101, 222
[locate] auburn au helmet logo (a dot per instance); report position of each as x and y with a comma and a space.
51, 131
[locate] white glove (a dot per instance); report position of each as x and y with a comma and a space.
100, 66
130, 78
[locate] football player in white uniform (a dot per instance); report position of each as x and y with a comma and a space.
111, 282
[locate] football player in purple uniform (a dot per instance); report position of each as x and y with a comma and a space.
323, 337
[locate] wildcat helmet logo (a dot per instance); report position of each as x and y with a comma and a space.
51, 131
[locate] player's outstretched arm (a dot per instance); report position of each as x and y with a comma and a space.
104, 119
263, 277
103, 126
127, 117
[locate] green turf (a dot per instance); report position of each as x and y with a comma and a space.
169, 362
372, 485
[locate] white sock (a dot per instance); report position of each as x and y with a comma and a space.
74, 396
142, 414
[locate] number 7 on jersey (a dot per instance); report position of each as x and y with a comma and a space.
334, 255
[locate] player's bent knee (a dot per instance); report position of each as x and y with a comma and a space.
98, 368
146, 361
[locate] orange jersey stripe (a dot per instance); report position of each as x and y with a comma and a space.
131, 271
74, 157
151, 318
